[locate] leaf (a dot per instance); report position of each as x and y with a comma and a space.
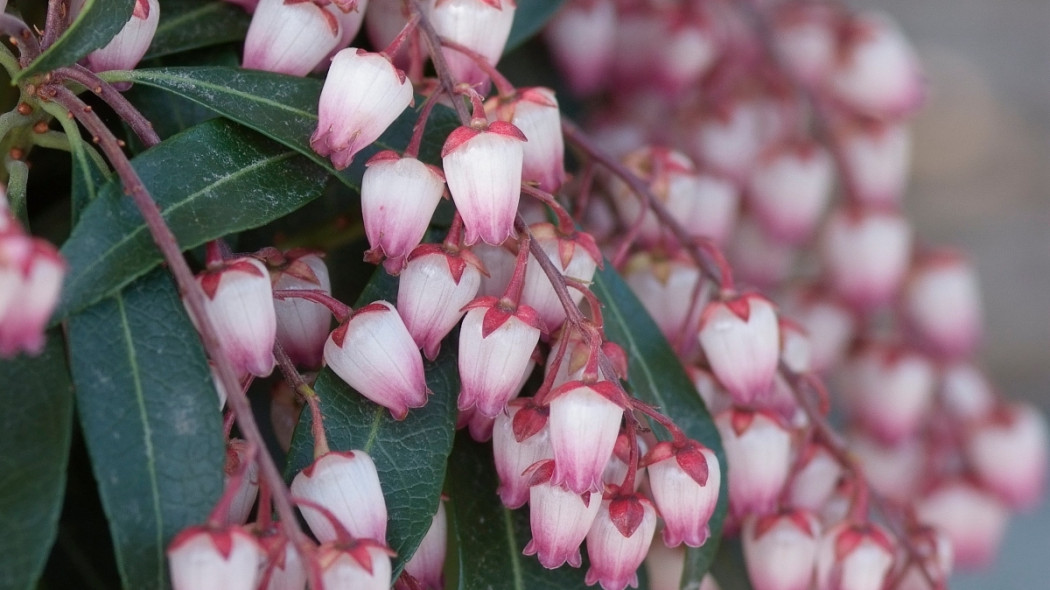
487, 536
529, 18
87, 176
657, 377
192, 24
98, 22
35, 431
410, 455
284, 108
150, 417
729, 567
209, 181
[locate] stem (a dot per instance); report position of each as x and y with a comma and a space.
9, 61
395, 45
340, 310
120, 105
194, 298
299, 384
22, 38
56, 22
18, 177
412, 151
503, 85
11, 120
566, 224
433, 43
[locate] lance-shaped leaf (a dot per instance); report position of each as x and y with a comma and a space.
98, 22
35, 431
192, 24
148, 409
284, 108
410, 454
486, 538
529, 18
214, 179
657, 377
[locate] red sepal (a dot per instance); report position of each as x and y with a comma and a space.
383, 156
529, 420
141, 9
692, 461
506, 129
626, 513
457, 138
495, 317
308, 471
534, 96
540, 472
740, 306
374, 306
606, 389
339, 334
741, 419
210, 282
618, 356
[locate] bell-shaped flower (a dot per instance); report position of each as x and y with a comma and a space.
780, 549
124, 51
759, 259
384, 19
582, 40
866, 255
239, 464
619, 540
684, 480
759, 449
584, 424
877, 73
495, 347
346, 484
534, 111
575, 256
829, 324
965, 392
204, 558
878, 155
854, 556
815, 480
942, 304
31, 272
890, 390
731, 138
559, 519
374, 353
806, 38
666, 287
789, 189
1008, 453
483, 166
741, 340
435, 286
290, 38
973, 518
480, 25
302, 326
429, 559
398, 198
239, 302
894, 471
359, 564
689, 46
283, 568
520, 439
363, 94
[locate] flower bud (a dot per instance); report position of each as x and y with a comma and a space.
854, 556
866, 254
1008, 453
398, 198
575, 257
814, 482
665, 286
495, 347
483, 171
890, 391
435, 286
201, 558
535, 112
31, 272
741, 339
942, 305
480, 25
239, 302
347, 485
429, 559
363, 94
559, 519
520, 439
584, 423
290, 38
973, 519
124, 51
283, 568
790, 188
878, 156
619, 540
361, 565
877, 73
805, 37
893, 471
302, 326
966, 393
374, 354
731, 138
829, 325
582, 39
244, 498
759, 450
684, 481
780, 549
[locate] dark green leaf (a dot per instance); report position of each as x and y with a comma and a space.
285, 109
151, 421
87, 177
34, 435
729, 568
215, 179
657, 377
410, 455
192, 24
487, 536
529, 18
98, 22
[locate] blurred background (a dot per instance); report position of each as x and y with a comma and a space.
981, 182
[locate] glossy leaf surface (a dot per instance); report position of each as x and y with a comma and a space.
410, 455
212, 180
529, 18
35, 432
192, 24
150, 418
98, 22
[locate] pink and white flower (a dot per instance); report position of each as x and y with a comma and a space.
203, 558
302, 326
866, 253
584, 424
854, 556
346, 484
684, 481
480, 25
759, 449
361, 565
741, 339
239, 302
619, 540
560, 520
290, 37
780, 549
435, 286
535, 112
124, 51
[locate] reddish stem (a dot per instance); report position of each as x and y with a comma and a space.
566, 224
412, 151
395, 45
502, 84
433, 44
340, 310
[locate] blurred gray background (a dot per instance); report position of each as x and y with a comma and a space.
981, 182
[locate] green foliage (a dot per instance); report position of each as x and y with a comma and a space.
192, 24
149, 413
98, 22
